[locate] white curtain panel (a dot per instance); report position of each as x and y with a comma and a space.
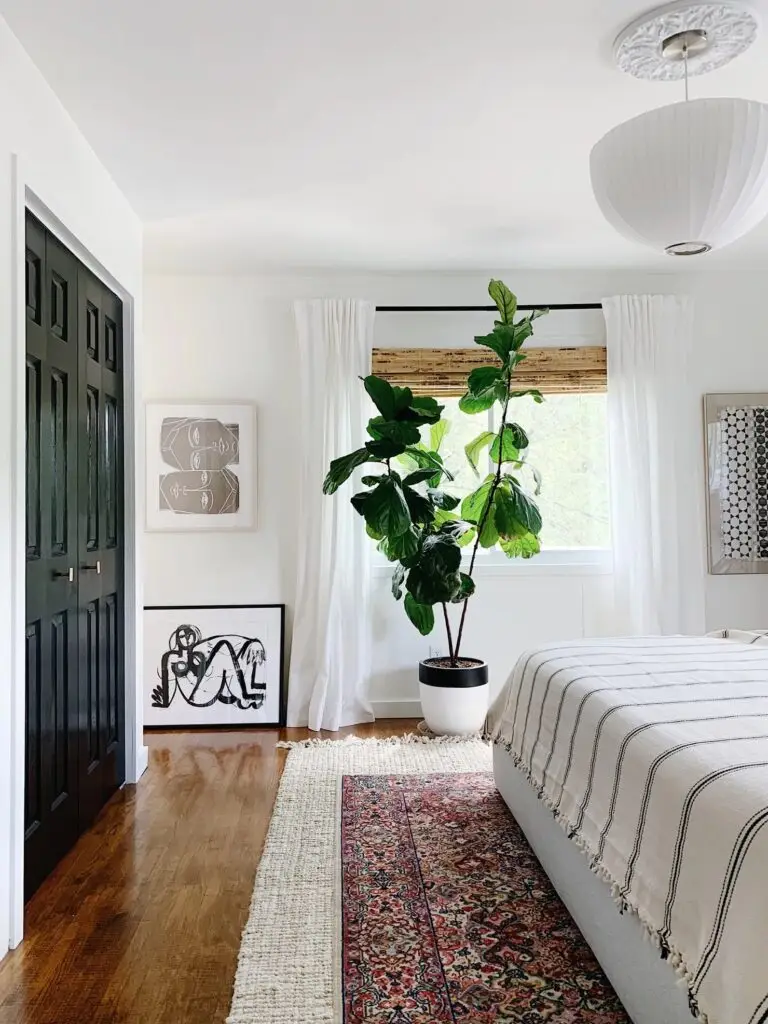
655, 467
330, 659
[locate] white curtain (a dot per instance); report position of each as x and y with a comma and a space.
330, 659
656, 506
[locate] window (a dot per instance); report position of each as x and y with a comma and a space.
569, 449
568, 436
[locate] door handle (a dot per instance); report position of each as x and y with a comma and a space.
69, 574
91, 568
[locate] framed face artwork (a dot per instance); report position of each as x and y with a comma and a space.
213, 665
737, 482
200, 467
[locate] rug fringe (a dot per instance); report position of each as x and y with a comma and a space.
390, 741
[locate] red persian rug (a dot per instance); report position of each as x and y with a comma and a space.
448, 916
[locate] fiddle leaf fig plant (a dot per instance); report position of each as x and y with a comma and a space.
408, 510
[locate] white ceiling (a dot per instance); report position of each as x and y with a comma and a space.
365, 133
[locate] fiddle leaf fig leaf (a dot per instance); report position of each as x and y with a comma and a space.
500, 340
483, 378
419, 506
386, 510
535, 394
523, 331
485, 385
437, 434
382, 395
371, 481
509, 443
373, 427
397, 582
442, 500
341, 469
429, 409
403, 399
526, 510
489, 535
471, 404
429, 588
357, 501
524, 546
421, 615
403, 548
399, 431
466, 589
473, 506
428, 460
505, 301
385, 448
417, 477
474, 448
505, 513
467, 536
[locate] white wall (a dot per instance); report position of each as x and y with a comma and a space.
40, 149
232, 337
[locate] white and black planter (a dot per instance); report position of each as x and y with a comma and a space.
454, 701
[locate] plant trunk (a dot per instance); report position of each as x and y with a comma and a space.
484, 518
450, 635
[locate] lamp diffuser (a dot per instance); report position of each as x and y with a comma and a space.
686, 177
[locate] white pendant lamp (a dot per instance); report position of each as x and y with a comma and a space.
692, 176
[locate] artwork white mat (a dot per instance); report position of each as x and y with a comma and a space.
213, 666
200, 466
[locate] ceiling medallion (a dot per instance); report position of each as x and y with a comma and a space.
726, 30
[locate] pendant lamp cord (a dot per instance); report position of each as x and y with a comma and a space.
685, 68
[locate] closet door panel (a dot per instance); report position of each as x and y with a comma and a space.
52, 708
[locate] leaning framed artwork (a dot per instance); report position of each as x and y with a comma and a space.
737, 482
200, 466
214, 665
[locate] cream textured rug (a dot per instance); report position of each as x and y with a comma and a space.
288, 970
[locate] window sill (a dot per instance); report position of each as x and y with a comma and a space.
555, 562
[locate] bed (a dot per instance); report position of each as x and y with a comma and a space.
638, 769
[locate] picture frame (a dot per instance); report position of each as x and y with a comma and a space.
736, 439
209, 666
200, 466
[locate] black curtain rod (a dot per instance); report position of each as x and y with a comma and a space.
484, 309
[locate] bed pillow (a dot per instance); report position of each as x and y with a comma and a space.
742, 636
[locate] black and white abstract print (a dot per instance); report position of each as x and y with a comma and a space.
744, 490
203, 670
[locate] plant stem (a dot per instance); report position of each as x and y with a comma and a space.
486, 512
450, 637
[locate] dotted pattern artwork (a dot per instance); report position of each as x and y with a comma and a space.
744, 491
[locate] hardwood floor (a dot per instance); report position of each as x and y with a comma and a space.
141, 922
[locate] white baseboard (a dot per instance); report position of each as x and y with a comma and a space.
397, 708
142, 761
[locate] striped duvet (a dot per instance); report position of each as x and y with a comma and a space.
653, 754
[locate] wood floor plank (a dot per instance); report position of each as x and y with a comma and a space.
141, 922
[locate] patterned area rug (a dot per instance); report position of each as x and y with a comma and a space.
448, 916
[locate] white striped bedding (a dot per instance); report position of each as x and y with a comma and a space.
653, 755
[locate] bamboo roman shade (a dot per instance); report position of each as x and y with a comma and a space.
443, 371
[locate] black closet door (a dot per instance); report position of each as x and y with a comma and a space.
74, 549
51, 796
100, 545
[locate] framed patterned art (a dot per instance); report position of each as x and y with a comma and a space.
214, 665
737, 482
200, 466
